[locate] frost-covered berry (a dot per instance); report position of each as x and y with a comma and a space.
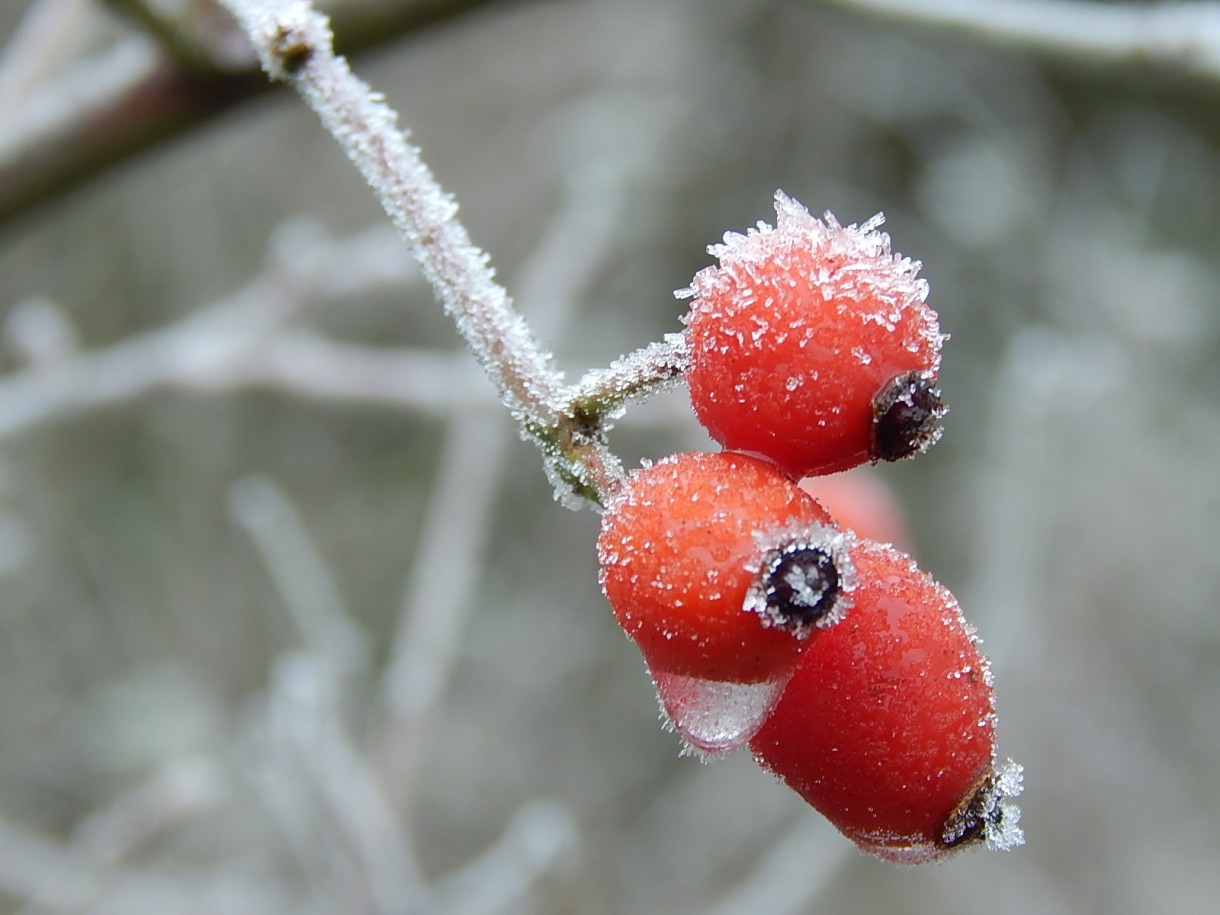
719, 567
887, 726
811, 343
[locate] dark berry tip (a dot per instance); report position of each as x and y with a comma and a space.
967, 824
986, 815
907, 414
803, 582
802, 586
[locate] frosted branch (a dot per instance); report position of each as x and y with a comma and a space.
179, 790
539, 838
54, 878
99, 110
454, 538
43, 37
304, 708
1184, 35
790, 875
294, 43
296, 363
239, 343
632, 378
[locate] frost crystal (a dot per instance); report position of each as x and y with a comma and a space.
633, 378
851, 259
570, 482
295, 43
988, 815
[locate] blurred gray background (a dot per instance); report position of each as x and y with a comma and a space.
208, 588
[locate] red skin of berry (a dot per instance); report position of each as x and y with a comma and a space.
796, 331
674, 549
887, 724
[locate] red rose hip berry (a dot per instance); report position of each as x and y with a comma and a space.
719, 567
887, 725
811, 343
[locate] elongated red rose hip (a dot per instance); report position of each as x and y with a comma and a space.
887, 726
811, 343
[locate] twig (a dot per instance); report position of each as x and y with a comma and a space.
295, 363
101, 111
271, 764
178, 790
302, 364
70, 878
304, 701
294, 562
52, 878
453, 540
791, 874
126, 370
1012, 563
172, 34
222, 346
440, 590
540, 836
294, 43
46, 32
634, 377
62, 383
221, 349
1181, 35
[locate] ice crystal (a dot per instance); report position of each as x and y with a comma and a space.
844, 263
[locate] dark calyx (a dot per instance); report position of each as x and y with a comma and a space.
802, 586
907, 415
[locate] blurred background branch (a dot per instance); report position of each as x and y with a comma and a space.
82, 91
1180, 35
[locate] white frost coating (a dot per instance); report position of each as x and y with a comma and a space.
715, 718
854, 263
635, 376
799, 582
1003, 833
990, 816
294, 43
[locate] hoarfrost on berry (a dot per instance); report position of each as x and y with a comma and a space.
803, 297
679, 551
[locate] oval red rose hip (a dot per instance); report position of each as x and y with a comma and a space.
887, 726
